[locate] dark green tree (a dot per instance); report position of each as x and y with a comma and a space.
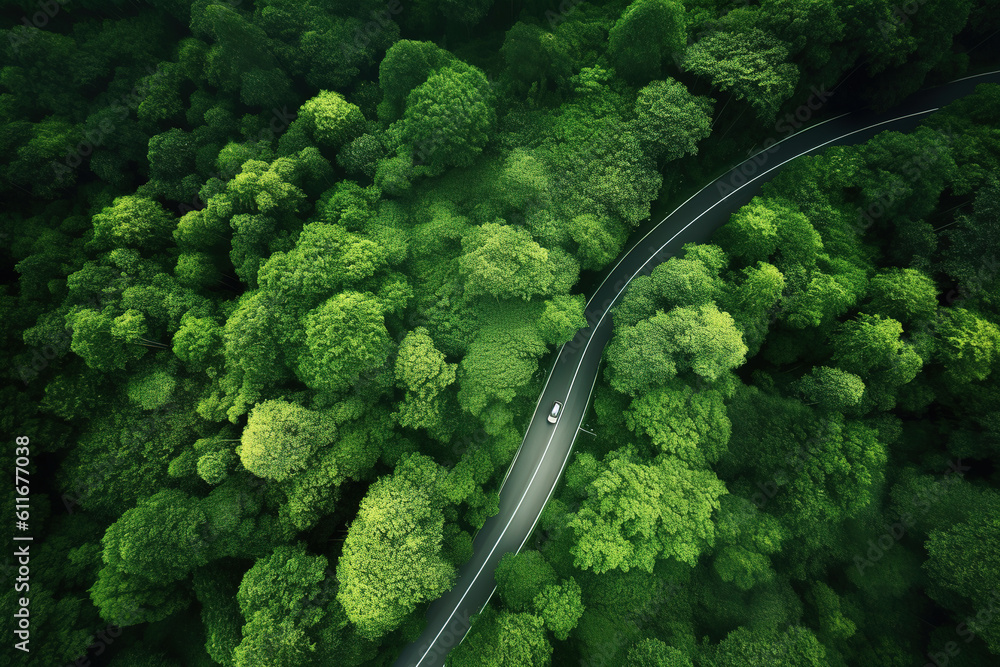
648, 33
752, 65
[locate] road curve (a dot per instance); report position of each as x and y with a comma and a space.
546, 448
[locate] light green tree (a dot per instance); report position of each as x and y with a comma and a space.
869, 346
280, 437
560, 606
132, 221
968, 345
904, 294
344, 337
796, 646
690, 425
684, 282
520, 576
331, 120
704, 340
503, 639
282, 597
503, 261
652, 652
423, 372
392, 559
831, 388
636, 513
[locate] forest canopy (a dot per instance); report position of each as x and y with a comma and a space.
283, 282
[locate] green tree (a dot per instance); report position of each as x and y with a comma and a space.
636, 513
831, 388
406, 65
153, 540
264, 188
132, 221
812, 31
503, 261
394, 175
869, 346
813, 469
251, 346
349, 205
652, 652
963, 565
834, 624
690, 425
239, 60
392, 559
422, 370
360, 156
824, 298
251, 234
745, 647
752, 64
753, 300
325, 259
449, 118
536, 60
282, 597
196, 270
971, 240
216, 590
747, 538
41, 161
94, 341
906, 295
562, 318
146, 551
501, 359
751, 235
684, 282
152, 390
967, 344
279, 439
344, 337
329, 120
520, 576
468, 13
560, 606
670, 121
171, 157
647, 33
503, 639
596, 244
703, 339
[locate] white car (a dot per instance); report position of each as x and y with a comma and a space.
554, 412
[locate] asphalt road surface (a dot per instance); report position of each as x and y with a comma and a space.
546, 448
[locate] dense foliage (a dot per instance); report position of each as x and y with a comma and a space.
286, 274
797, 430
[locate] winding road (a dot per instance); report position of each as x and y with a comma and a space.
546, 448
